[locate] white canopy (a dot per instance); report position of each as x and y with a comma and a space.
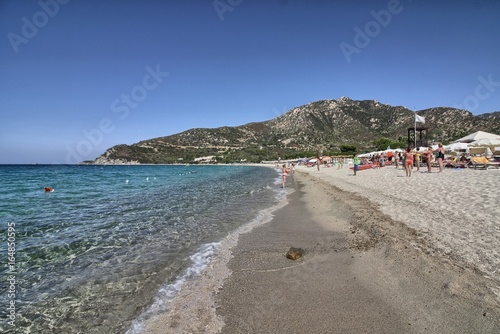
477, 136
457, 147
486, 142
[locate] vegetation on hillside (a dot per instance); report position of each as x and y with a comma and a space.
334, 127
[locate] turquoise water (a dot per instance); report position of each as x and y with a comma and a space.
90, 256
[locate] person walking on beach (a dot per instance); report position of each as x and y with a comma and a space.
408, 162
440, 157
417, 158
396, 159
356, 164
428, 158
284, 174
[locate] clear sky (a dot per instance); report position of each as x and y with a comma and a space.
77, 77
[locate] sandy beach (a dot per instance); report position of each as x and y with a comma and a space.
455, 212
383, 254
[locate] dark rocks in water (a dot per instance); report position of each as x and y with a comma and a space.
294, 253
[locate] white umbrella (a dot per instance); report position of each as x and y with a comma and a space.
456, 147
477, 136
486, 142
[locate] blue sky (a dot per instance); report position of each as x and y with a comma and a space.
77, 77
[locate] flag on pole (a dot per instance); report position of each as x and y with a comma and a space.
420, 119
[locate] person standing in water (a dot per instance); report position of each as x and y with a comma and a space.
284, 174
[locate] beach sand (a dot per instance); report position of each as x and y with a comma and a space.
383, 254
456, 212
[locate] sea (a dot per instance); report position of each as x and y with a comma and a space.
94, 252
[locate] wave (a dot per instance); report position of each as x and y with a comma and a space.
165, 294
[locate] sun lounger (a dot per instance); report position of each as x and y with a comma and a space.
493, 164
479, 162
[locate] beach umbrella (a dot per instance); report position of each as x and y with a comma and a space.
486, 142
478, 135
456, 147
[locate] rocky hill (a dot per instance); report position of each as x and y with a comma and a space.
328, 125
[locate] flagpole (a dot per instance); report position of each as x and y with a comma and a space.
415, 129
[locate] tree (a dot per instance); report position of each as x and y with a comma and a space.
348, 149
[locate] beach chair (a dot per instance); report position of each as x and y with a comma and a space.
475, 151
493, 164
495, 160
479, 162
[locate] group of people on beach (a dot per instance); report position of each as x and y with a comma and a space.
407, 159
415, 154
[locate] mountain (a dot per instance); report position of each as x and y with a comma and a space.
327, 125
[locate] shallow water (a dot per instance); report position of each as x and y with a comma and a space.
91, 255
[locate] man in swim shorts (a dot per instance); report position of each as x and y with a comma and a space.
356, 164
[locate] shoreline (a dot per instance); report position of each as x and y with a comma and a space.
193, 308
363, 272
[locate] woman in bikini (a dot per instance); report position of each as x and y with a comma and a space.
284, 174
428, 158
408, 162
